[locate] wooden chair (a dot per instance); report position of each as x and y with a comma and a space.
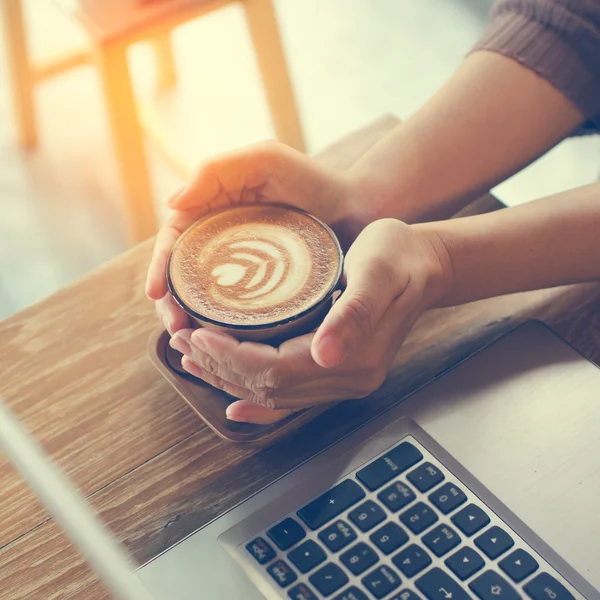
113, 25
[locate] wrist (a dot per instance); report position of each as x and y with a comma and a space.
439, 261
395, 174
407, 194
374, 197
356, 208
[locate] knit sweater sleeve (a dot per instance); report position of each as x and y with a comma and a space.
558, 39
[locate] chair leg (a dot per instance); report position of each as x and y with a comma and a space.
128, 140
264, 31
165, 63
20, 74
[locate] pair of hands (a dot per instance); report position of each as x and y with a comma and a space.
393, 272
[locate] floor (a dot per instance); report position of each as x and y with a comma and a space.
351, 61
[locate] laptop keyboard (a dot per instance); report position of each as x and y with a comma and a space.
400, 528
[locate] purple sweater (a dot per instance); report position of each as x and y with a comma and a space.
558, 39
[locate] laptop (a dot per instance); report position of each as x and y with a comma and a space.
484, 484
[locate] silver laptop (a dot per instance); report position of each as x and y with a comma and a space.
484, 484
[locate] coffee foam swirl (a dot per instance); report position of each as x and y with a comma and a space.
258, 268
254, 265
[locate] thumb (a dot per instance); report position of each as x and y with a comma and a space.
372, 285
229, 176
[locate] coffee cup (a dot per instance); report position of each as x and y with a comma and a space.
259, 272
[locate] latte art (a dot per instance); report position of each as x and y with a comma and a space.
268, 271
254, 265
261, 270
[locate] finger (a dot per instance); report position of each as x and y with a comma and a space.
354, 380
267, 171
262, 367
175, 194
156, 286
372, 283
177, 223
244, 411
296, 396
173, 317
216, 382
209, 365
223, 179
182, 342
156, 280
191, 367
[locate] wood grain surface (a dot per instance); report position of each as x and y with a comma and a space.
75, 370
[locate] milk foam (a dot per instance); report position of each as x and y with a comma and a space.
254, 265
258, 267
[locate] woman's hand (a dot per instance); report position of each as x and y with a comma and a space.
393, 272
264, 172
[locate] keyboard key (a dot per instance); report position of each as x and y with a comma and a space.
405, 595
282, 573
389, 537
518, 565
396, 496
419, 517
491, 586
425, 476
301, 592
545, 587
367, 515
441, 539
470, 519
412, 560
392, 463
307, 556
437, 585
359, 558
352, 593
448, 497
286, 533
337, 536
328, 579
331, 504
494, 542
261, 550
381, 581
465, 563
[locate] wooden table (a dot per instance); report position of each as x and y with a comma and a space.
75, 369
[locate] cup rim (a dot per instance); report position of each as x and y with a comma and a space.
261, 326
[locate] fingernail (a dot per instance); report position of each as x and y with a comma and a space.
240, 412
177, 343
173, 201
331, 350
234, 417
175, 195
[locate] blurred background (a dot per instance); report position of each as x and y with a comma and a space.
350, 61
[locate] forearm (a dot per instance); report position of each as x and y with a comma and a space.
492, 118
550, 242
